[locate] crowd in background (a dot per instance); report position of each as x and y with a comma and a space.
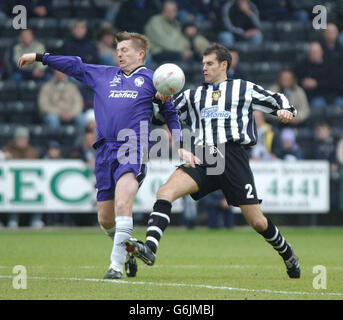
179, 31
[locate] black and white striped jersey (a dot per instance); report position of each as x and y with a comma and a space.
224, 112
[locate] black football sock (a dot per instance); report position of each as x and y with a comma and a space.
275, 239
158, 222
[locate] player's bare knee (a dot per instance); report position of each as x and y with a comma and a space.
259, 224
122, 206
165, 193
105, 222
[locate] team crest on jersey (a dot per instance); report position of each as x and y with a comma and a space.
115, 81
216, 95
139, 81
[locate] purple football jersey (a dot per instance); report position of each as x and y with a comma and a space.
120, 101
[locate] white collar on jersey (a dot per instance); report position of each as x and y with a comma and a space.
133, 72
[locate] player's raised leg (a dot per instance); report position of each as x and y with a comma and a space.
125, 192
271, 234
178, 185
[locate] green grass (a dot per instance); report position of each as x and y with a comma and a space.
191, 264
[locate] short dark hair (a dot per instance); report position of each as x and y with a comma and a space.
222, 53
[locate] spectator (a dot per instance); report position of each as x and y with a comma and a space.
280, 10
42, 8
79, 45
53, 151
195, 11
84, 149
34, 8
196, 42
59, 101
242, 23
339, 151
330, 44
20, 148
267, 141
286, 84
27, 44
219, 214
235, 71
134, 14
289, 149
165, 35
314, 74
105, 41
324, 147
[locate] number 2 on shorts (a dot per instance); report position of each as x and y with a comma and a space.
249, 193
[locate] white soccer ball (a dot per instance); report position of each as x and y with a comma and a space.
169, 79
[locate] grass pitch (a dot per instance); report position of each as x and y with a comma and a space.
191, 264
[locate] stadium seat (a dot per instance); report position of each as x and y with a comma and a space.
83, 8
8, 90
279, 51
53, 45
334, 115
265, 72
28, 90
44, 28
268, 31
3, 113
65, 25
7, 30
305, 4
62, 8
6, 132
291, 30
22, 112
249, 52
315, 35
5, 44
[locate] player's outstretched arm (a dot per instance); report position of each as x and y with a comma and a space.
285, 116
26, 59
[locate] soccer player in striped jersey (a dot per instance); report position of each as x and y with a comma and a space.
220, 112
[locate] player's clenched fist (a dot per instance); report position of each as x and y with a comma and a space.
284, 115
27, 58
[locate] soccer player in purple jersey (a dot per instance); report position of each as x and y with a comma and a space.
123, 99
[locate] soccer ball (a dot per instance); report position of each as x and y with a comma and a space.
168, 79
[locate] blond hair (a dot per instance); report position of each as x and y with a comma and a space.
139, 41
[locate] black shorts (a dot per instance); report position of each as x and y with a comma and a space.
236, 181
